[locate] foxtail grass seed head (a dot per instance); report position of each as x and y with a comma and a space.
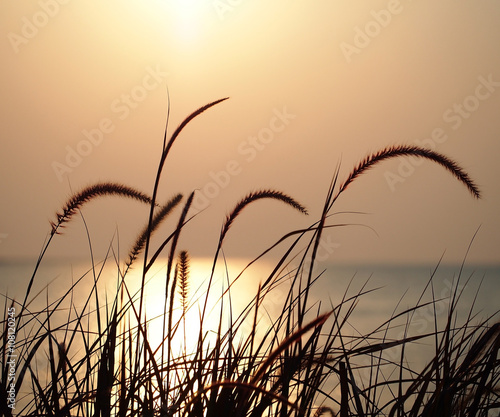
183, 270
158, 218
89, 193
404, 150
254, 196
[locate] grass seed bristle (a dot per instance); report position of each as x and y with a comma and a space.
405, 150
89, 193
254, 196
158, 218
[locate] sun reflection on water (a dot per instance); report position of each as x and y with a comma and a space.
223, 307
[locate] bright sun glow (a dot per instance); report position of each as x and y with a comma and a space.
189, 16
188, 326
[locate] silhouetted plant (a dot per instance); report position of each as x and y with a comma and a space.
100, 360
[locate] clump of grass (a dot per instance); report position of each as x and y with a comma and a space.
100, 358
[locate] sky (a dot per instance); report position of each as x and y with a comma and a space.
313, 86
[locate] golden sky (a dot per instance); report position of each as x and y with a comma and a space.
83, 99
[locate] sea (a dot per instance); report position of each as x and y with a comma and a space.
391, 281
379, 290
375, 301
376, 291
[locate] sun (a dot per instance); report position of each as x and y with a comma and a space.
190, 18
186, 324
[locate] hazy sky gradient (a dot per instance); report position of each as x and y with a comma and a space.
352, 77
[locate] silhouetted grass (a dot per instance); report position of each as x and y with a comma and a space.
96, 357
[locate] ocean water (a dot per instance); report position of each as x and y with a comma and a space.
377, 293
387, 288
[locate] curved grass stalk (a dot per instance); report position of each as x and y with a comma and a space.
405, 150
157, 220
74, 203
89, 193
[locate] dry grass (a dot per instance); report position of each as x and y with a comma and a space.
99, 360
